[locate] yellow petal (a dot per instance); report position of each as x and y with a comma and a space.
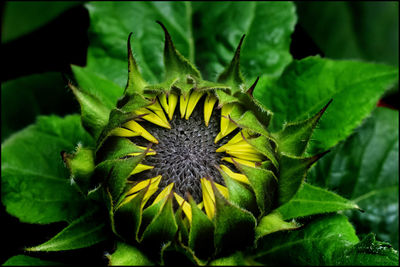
183, 101
208, 197
238, 137
165, 192
185, 206
153, 117
225, 111
193, 99
237, 176
172, 102
208, 107
151, 152
123, 132
223, 190
246, 155
137, 128
142, 184
239, 146
231, 127
241, 161
141, 168
157, 109
153, 187
163, 102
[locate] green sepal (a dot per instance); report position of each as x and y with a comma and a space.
148, 215
127, 218
264, 184
232, 75
262, 113
183, 226
249, 121
310, 200
85, 231
177, 66
292, 174
121, 115
240, 194
273, 222
224, 97
234, 226
204, 85
116, 172
174, 253
161, 229
201, 235
294, 137
163, 87
94, 114
127, 255
135, 83
116, 147
263, 145
81, 166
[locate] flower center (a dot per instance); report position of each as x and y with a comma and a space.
185, 153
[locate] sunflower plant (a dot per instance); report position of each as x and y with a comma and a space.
170, 164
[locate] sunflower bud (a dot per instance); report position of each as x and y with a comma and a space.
189, 164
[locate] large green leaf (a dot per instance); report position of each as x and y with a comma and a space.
356, 24
311, 200
307, 85
23, 260
35, 185
86, 231
218, 27
365, 169
328, 240
24, 98
22, 17
111, 24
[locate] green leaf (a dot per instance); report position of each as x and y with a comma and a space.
111, 24
21, 18
310, 200
126, 255
365, 169
318, 243
306, 85
35, 184
86, 231
266, 47
23, 260
358, 24
273, 222
24, 98
370, 252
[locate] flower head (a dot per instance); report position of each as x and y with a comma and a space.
189, 163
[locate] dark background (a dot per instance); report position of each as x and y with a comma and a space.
52, 48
